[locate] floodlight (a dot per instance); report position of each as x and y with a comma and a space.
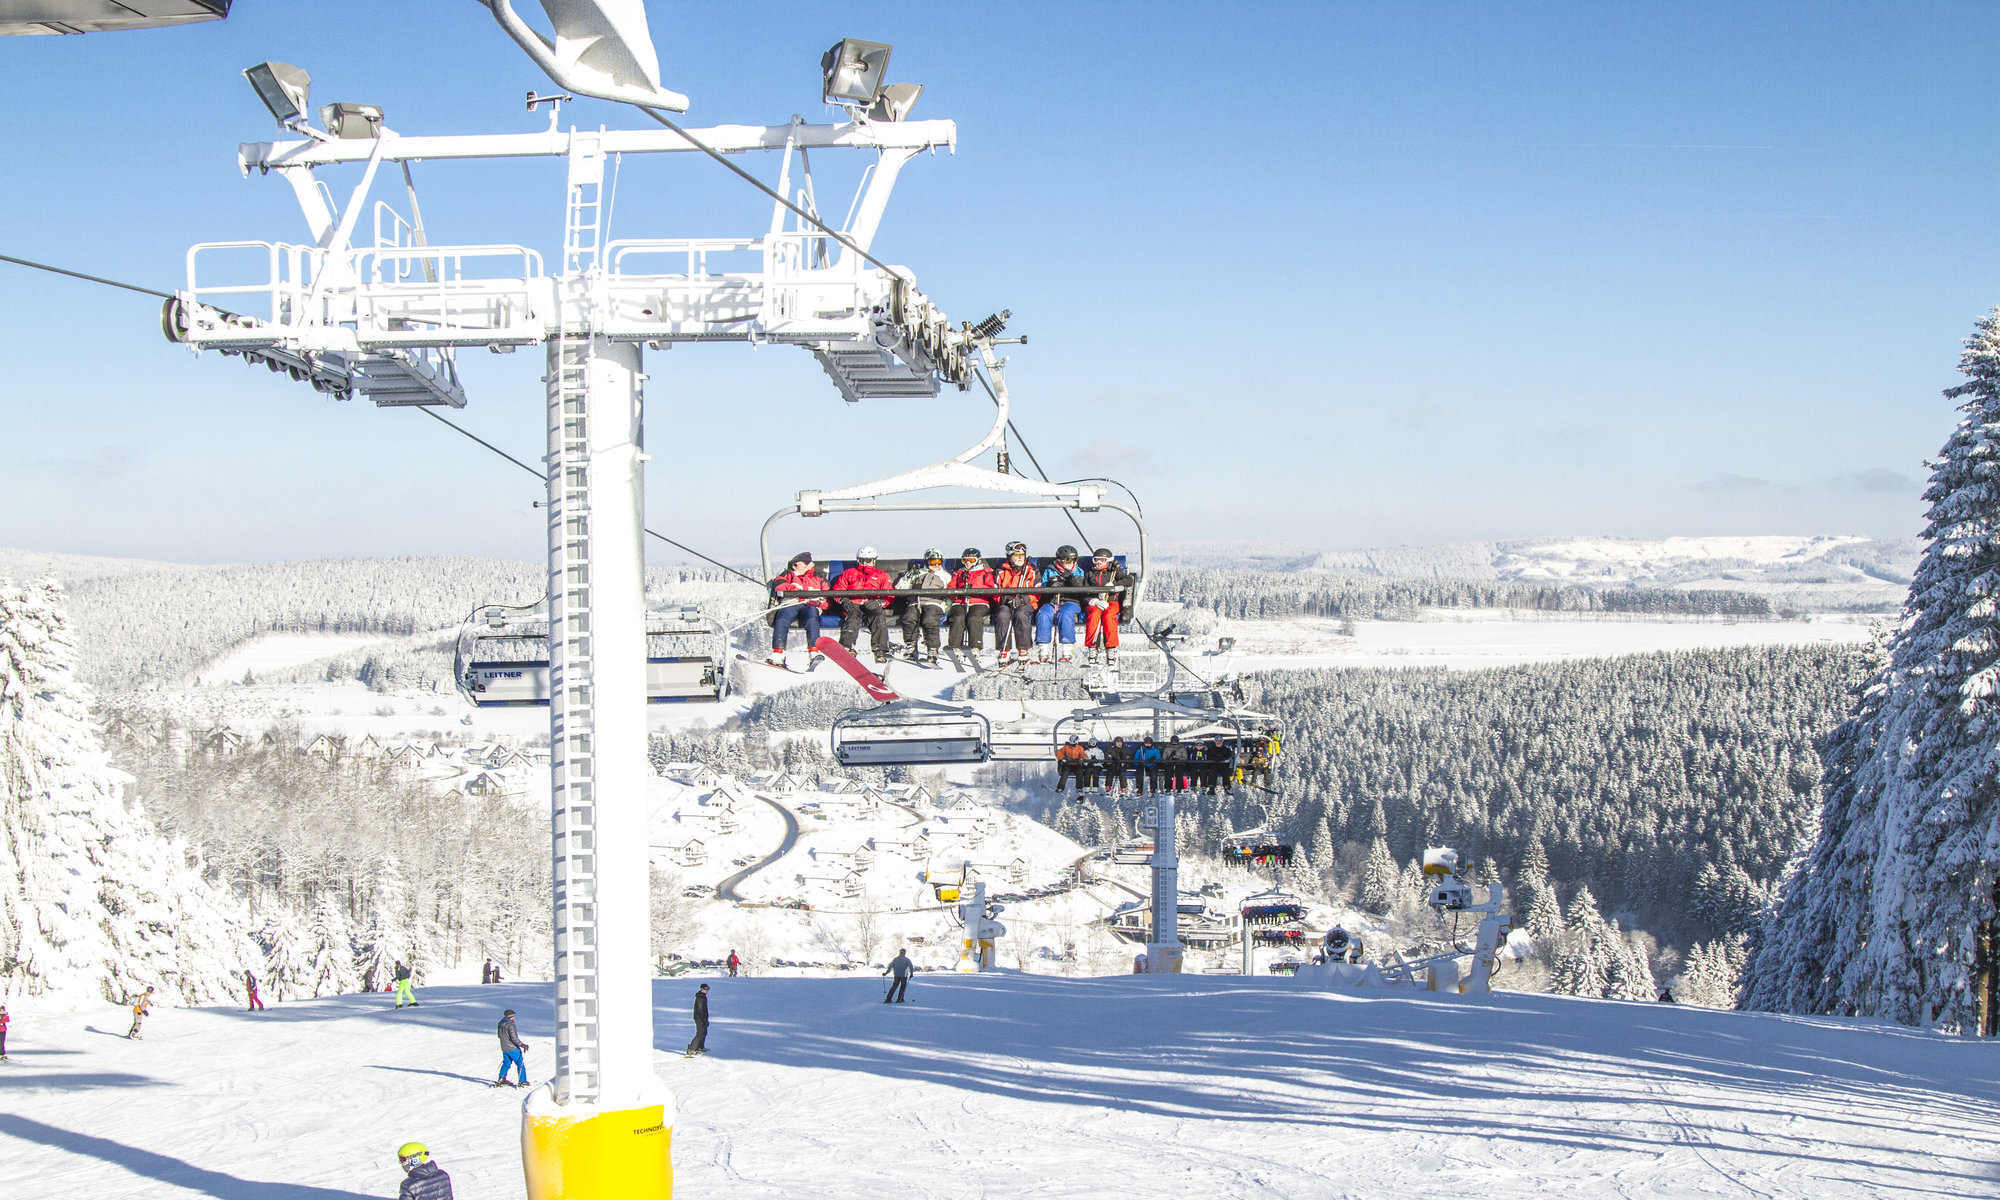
282, 87
346, 119
853, 71
895, 101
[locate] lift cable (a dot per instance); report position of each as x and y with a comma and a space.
456, 428
130, 287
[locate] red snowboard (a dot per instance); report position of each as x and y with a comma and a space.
870, 682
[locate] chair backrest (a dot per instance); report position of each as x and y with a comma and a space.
898, 567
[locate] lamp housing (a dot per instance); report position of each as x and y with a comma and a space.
283, 89
852, 71
894, 101
346, 119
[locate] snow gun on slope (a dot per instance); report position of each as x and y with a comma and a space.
1466, 969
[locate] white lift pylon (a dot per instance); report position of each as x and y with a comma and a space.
385, 319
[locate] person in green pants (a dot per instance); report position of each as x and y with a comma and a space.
406, 988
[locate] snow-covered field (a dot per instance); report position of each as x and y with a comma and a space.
1021, 1086
281, 651
1469, 639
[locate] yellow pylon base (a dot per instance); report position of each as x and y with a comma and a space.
575, 1152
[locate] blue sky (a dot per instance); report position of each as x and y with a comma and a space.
1328, 275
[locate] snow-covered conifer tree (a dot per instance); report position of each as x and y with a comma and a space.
1584, 966
1378, 880
1883, 918
287, 953
1629, 976
92, 900
1545, 925
388, 936
329, 968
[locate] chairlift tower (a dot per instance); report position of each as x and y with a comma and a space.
386, 319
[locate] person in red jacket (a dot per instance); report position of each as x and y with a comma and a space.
865, 576
1102, 612
799, 576
1014, 616
968, 613
3, 1033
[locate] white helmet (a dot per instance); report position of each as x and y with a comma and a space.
865, 554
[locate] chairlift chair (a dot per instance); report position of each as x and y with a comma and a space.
911, 732
1273, 907
501, 658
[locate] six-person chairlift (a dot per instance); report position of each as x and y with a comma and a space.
501, 658
918, 732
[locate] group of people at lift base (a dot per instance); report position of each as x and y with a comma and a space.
947, 605
1200, 764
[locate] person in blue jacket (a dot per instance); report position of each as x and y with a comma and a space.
1146, 760
1060, 614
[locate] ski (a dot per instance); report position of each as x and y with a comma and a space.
872, 683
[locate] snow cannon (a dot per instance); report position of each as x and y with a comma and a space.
1440, 860
573, 1151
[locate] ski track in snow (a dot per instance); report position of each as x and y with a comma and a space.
1028, 1086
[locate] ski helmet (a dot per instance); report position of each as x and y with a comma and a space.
412, 1153
800, 557
969, 552
933, 556
1014, 548
1101, 552
1065, 553
865, 554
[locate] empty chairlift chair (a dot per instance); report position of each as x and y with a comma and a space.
911, 733
502, 657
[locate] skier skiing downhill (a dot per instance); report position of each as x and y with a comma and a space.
924, 612
698, 1044
1060, 613
899, 983
422, 1178
139, 1011
512, 1051
865, 576
1103, 611
968, 613
799, 576
406, 989
1014, 616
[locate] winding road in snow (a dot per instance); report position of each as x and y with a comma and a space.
727, 888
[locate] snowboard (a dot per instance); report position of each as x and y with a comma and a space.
870, 682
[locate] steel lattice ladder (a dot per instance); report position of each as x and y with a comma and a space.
572, 704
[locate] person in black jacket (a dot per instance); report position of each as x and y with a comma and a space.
422, 1178
699, 1043
899, 971
512, 1050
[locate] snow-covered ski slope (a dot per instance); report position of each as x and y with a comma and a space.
1028, 1086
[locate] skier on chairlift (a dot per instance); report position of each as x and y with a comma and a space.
1069, 764
1093, 767
1174, 764
1014, 616
969, 613
924, 612
1105, 610
865, 576
799, 576
1060, 614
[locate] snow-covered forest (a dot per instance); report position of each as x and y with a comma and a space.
1675, 786
93, 899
